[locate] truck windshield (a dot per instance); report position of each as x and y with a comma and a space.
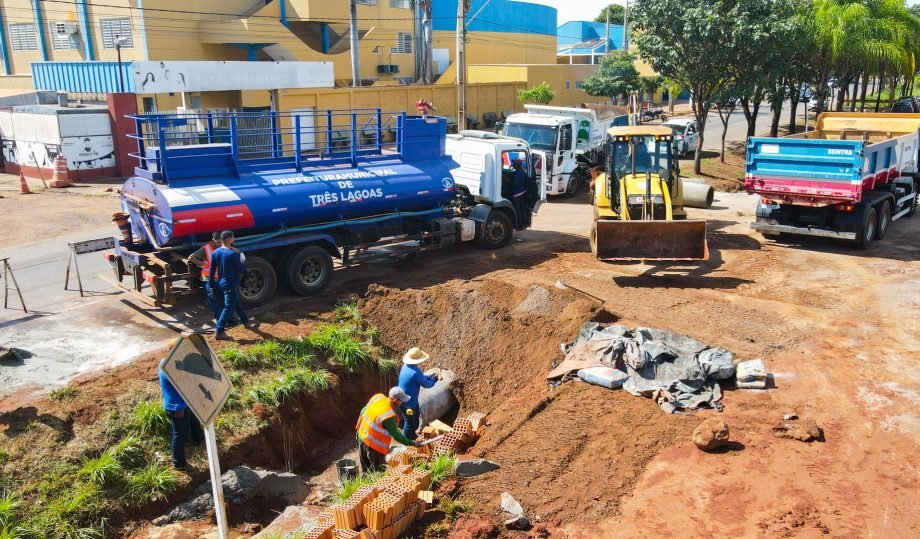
540, 137
639, 155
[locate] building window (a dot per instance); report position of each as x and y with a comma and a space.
403, 43
366, 2
149, 105
23, 37
404, 4
568, 85
61, 33
113, 28
579, 84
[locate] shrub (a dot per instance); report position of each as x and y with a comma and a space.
292, 382
128, 451
153, 482
149, 418
347, 312
441, 467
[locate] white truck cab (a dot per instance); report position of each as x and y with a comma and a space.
572, 137
484, 168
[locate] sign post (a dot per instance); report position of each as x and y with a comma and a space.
193, 370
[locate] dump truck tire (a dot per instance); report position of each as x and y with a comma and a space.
884, 219
592, 239
259, 286
866, 233
308, 270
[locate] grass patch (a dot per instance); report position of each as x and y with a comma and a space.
63, 394
268, 317
153, 482
348, 313
149, 418
293, 382
438, 530
9, 503
128, 452
352, 485
441, 468
101, 470
343, 344
454, 507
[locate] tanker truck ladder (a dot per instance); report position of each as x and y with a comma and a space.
181, 146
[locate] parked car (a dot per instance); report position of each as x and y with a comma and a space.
805, 94
907, 104
813, 104
686, 135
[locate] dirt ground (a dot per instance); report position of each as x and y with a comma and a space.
48, 213
837, 328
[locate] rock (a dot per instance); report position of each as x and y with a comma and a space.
711, 434
241, 485
472, 468
790, 417
806, 431
108, 189
172, 531
511, 506
517, 523
294, 519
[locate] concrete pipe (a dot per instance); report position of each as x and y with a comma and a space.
698, 194
436, 402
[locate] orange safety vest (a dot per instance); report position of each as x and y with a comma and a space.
370, 424
206, 270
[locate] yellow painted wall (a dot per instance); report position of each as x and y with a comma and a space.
556, 75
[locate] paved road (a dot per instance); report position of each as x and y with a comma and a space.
737, 125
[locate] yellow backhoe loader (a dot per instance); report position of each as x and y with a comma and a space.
638, 202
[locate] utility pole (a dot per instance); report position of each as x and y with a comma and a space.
461, 64
607, 41
626, 26
355, 53
429, 51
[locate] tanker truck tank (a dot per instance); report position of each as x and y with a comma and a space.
188, 192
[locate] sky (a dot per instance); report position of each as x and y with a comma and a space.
576, 10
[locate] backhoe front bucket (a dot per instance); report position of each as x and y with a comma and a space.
650, 240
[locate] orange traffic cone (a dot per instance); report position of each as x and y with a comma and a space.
23, 185
60, 178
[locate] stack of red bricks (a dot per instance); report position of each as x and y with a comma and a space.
350, 514
324, 529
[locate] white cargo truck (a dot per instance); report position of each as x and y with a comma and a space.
573, 139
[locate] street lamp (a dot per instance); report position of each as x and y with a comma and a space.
119, 43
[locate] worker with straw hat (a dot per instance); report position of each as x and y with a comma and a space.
412, 380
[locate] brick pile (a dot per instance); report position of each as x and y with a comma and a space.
325, 526
350, 514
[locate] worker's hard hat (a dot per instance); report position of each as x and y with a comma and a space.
398, 394
414, 356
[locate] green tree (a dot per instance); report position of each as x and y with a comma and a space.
694, 44
615, 77
616, 12
541, 94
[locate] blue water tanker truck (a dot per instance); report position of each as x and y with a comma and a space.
301, 190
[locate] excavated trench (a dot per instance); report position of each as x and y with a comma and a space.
567, 453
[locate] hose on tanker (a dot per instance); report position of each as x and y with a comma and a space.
250, 240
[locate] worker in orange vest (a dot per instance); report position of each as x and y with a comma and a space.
378, 425
202, 259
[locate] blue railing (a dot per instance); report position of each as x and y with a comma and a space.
187, 145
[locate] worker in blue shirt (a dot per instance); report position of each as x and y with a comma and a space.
227, 262
519, 193
412, 380
184, 423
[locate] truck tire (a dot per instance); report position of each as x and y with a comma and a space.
495, 232
884, 219
575, 181
308, 270
259, 286
592, 238
867, 231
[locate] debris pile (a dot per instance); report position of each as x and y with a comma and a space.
389, 507
678, 372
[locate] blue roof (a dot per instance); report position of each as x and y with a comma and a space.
581, 35
89, 77
505, 16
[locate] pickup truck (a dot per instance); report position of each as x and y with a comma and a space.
850, 178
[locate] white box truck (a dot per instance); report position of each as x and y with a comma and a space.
573, 139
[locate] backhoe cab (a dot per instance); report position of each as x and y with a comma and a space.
638, 203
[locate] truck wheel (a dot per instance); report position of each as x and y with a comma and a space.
308, 270
866, 233
259, 286
495, 232
884, 220
574, 184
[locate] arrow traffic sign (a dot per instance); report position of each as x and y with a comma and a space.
192, 368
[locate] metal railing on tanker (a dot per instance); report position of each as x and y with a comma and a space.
265, 140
